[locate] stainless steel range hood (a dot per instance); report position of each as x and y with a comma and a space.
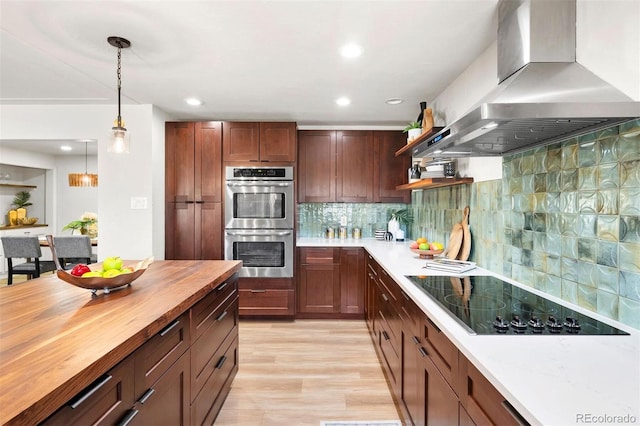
543, 96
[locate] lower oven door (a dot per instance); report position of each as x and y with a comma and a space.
264, 253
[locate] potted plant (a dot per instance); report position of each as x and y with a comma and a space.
413, 130
20, 204
87, 225
399, 217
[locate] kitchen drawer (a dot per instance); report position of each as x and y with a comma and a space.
483, 403
206, 405
153, 358
391, 355
410, 314
272, 302
319, 255
442, 352
203, 314
104, 402
392, 288
203, 360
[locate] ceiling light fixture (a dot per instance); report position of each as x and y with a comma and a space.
119, 140
193, 101
351, 50
343, 101
394, 101
65, 148
83, 179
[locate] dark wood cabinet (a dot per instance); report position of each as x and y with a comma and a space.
331, 282
244, 141
350, 166
193, 190
267, 297
352, 280
389, 171
180, 376
354, 166
316, 166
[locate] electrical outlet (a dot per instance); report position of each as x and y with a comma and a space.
138, 203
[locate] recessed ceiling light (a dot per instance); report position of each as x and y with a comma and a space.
66, 148
350, 50
193, 101
394, 101
343, 101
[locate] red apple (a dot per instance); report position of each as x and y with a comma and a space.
80, 269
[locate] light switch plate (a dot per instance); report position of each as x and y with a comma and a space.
138, 203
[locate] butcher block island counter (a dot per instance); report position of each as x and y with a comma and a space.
162, 350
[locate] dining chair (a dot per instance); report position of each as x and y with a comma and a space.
25, 248
72, 250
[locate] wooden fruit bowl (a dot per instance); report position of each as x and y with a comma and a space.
105, 284
427, 254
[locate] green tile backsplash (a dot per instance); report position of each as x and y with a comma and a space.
564, 218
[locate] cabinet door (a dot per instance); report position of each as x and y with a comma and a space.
208, 234
278, 142
352, 279
240, 141
179, 162
166, 402
440, 400
319, 288
354, 164
180, 231
208, 162
316, 166
389, 170
413, 379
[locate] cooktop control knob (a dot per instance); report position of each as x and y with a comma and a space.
572, 324
536, 324
518, 324
553, 324
500, 325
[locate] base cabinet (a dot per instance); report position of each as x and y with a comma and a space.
180, 376
267, 297
331, 282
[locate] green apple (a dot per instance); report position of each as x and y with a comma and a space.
423, 246
112, 262
110, 273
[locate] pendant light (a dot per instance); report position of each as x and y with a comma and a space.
119, 139
83, 179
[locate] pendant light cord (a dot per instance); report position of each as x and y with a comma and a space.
85, 159
119, 85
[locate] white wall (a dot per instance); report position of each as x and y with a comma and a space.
607, 43
123, 231
158, 160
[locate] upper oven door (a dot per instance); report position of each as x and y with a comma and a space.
259, 205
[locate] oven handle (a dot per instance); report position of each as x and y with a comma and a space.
256, 234
270, 183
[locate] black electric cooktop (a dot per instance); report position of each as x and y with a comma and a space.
488, 305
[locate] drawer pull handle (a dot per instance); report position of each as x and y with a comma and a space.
385, 335
168, 328
221, 286
258, 291
423, 352
404, 295
415, 340
97, 385
514, 413
222, 315
221, 362
384, 297
145, 396
433, 325
128, 418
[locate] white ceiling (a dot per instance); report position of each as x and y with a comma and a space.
246, 60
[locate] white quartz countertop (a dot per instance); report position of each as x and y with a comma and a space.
551, 380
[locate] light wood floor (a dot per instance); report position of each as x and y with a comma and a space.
306, 371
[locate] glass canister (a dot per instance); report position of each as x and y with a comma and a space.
331, 233
343, 232
356, 233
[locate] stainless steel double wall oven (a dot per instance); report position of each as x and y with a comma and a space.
259, 220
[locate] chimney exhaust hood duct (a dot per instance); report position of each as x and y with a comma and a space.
543, 95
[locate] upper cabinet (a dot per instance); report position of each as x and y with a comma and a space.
350, 166
259, 142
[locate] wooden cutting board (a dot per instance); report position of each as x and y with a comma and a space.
466, 237
455, 242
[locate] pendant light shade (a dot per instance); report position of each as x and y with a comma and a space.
83, 179
119, 137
